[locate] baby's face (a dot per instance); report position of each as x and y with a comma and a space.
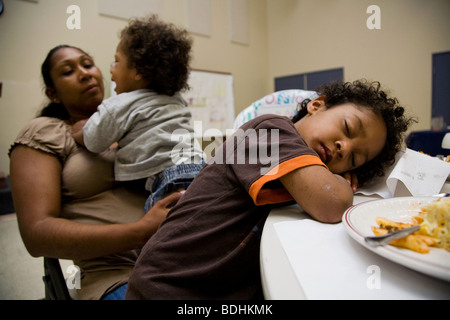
345, 136
122, 74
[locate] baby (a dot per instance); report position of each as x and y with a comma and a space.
151, 67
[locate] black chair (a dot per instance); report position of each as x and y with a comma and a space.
55, 284
6, 202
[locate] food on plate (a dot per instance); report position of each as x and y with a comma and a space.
434, 221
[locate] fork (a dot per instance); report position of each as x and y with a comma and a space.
385, 239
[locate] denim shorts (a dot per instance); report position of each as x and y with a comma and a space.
170, 180
117, 294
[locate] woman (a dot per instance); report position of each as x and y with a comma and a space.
67, 202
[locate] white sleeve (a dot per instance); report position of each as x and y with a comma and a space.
101, 130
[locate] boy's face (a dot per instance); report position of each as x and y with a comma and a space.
344, 136
126, 79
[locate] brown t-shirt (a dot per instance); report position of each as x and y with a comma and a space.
89, 195
208, 247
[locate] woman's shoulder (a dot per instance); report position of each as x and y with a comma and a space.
47, 134
50, 128
44, 123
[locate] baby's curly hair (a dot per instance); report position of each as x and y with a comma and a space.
160, 52
370, 95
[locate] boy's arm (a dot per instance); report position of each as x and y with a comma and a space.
323, 195
101, 131
77, 131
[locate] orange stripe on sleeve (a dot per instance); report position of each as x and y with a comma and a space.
262, 196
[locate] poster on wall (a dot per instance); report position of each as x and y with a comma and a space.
211, 99
198, 16
239, 21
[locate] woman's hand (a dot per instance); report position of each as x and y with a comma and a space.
156, 215
77, 131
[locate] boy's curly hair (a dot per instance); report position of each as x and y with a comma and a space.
370, 95
160, 52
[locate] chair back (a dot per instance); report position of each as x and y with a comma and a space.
54, 282
283, 103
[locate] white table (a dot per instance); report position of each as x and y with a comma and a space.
280, 282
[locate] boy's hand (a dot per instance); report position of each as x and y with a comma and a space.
77, 131
352, 179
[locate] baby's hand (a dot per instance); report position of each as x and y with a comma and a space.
77, 131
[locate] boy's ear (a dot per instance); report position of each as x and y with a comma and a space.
138, 77
316, 105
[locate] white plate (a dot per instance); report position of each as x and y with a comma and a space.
359, 219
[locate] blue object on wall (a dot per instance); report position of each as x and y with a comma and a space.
428, 142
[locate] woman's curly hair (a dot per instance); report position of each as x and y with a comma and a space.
160, 52
370, 95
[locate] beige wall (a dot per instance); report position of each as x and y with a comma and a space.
286, 37
29, 30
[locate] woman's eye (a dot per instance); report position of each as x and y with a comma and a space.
88, 64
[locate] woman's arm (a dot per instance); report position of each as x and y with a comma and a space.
36, 189
322, 194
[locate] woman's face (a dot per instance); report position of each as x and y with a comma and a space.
78, 83
344, 136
